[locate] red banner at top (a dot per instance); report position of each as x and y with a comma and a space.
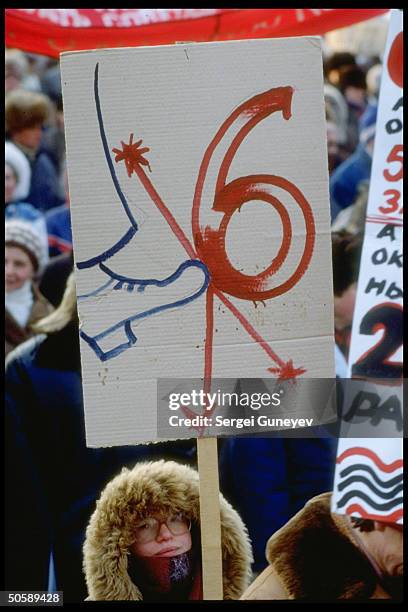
53, 31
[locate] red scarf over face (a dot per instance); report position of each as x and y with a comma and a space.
175, 578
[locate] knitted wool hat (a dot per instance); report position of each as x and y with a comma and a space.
22, 234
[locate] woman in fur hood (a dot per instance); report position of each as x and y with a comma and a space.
143, 540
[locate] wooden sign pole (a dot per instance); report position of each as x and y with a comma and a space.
210, 518
210, 521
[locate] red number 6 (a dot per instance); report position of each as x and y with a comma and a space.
228, 198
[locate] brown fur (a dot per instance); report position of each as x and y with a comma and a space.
315, 558
156, 487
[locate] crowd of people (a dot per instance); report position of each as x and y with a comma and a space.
53, 480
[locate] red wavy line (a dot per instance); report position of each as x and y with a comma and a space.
359, 450
391, 518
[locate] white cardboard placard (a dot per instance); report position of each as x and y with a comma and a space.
236, 141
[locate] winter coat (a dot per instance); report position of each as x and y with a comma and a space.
315, 557
52, 478
346, 179
59, 230
15, 334
45, 190
153, 488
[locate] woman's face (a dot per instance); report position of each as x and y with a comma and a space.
29, 137
344, 307
9, 184
18, 268
165, 544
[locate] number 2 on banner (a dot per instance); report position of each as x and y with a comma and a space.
374, 363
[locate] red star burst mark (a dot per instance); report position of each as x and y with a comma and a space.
287, 370
132, 155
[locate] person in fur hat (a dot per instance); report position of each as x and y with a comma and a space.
143, 540
24, 258
323, 556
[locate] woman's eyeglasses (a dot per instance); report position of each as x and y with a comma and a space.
149, 529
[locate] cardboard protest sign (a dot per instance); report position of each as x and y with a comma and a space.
199, 195
376, 342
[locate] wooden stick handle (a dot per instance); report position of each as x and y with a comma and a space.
210, 518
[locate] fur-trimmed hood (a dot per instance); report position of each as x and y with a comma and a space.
317, 558
154, 487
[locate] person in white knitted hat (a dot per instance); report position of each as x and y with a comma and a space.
16, 188
24, 261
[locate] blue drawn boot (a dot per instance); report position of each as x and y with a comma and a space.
151, 298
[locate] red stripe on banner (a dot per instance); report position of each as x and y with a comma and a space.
39, 32
385, 219
385, 222
359, 450
391, 518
